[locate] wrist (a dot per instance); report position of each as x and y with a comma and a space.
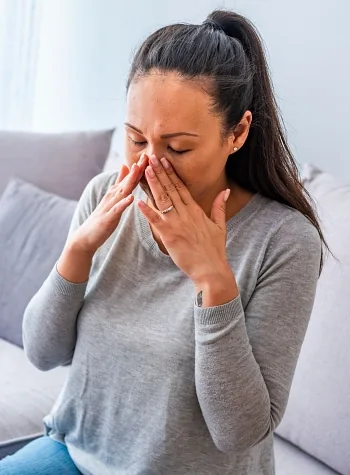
75, 248
217, 289
74, 263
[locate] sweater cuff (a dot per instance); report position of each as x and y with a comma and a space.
66, 288
226, 313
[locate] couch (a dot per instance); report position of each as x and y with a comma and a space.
41, 179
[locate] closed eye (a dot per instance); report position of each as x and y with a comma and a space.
172, 150
138, 144
178, 152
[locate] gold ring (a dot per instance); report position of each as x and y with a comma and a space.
165, 211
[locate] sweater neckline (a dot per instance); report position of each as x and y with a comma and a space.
149, 243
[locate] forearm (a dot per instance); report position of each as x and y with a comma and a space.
49, 323
231, 390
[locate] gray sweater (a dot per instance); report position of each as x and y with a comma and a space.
158, 386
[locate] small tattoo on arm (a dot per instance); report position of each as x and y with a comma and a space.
200, 299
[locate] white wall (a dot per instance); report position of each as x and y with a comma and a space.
85, 55
309, 46
87, 46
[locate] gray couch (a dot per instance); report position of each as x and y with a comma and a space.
314, 436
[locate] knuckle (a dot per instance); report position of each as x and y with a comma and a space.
157, 219
169, 188
164, 197
116, 208
109, 194
179, 185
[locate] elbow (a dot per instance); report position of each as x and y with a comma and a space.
40, 363
42, 359
239, 442
44, 353
34, 354
224, 444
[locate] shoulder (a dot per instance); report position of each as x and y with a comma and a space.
291, 235
91, 196
97, 188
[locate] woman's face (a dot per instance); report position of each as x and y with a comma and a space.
171, 117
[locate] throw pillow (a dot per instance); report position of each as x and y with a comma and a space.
59, 163
34, 225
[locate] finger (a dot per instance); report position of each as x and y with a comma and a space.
127, 185
124, 171
218, 211
142, 163
130, 182
152, 216
180, 187
138, 170
165, 181
118, 209
161, 197
120, 190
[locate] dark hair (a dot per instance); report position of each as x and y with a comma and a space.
226, 53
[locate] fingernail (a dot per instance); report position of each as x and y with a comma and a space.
154, 160
227, 194
133, 166
150, 172
165, 162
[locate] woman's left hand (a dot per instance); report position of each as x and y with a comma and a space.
196, 244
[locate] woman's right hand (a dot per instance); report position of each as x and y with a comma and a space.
75, 261
104, 220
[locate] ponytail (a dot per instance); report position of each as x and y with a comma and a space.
265, 164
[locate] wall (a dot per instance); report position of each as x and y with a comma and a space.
85, 55
309, 49
87, 46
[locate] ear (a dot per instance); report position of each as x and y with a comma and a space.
241, 131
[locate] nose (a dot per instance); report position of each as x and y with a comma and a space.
154, 149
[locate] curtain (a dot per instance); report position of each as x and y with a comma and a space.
19, 45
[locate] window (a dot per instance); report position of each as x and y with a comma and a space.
19, 41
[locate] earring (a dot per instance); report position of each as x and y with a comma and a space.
235, 149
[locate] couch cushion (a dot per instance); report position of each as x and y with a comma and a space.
58, 163
318, 413
290, 460
33, 229
26, 396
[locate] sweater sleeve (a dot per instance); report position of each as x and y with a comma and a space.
246, 357
49, 322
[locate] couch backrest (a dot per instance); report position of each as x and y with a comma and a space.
318, 413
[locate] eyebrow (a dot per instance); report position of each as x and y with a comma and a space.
164, 136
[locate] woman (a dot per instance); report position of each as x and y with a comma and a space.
182, 315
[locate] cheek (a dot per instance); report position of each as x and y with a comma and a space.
130, 156
204, 168
194, 168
